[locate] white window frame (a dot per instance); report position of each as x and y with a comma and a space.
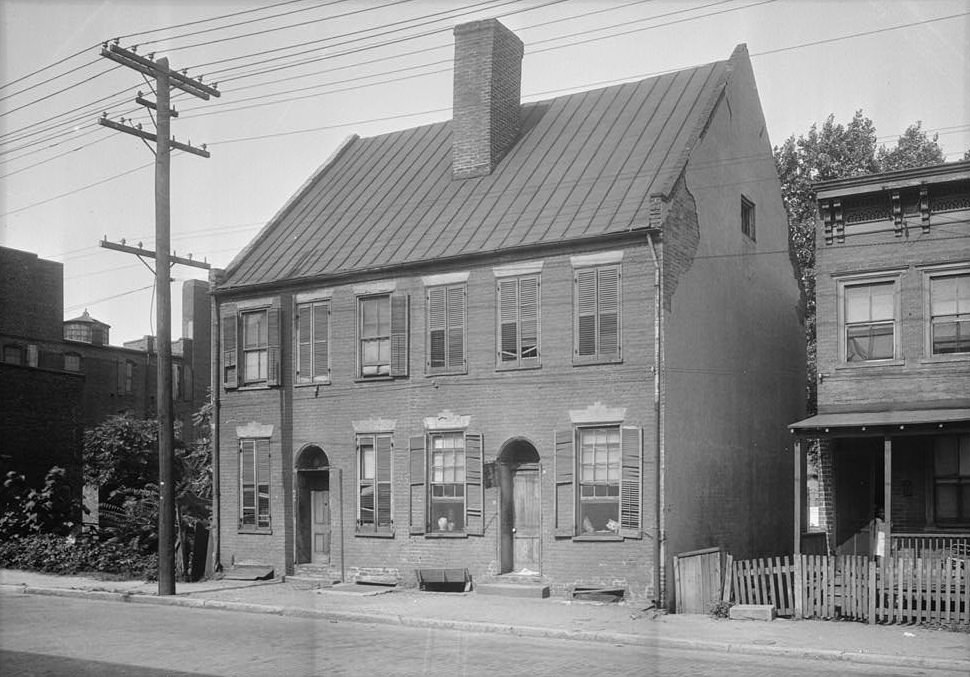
868, 279
246, 378
929, 274
385, 298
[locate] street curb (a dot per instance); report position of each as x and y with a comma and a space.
501, 628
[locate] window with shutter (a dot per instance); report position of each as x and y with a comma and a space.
631, 482
597, 315
518, 322
254, 487
565, 473
446, 329
383, 335
313, 342
374, 511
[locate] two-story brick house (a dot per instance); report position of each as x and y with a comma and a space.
559, 337
893, 303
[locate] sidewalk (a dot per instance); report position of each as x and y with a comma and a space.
626, 623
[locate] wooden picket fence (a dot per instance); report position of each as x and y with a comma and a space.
931, 590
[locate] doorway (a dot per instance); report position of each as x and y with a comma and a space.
313, 524
520, 513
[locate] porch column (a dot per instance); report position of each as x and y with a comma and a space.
887, 486
799, 492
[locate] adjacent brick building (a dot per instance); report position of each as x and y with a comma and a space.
558, 338
893, 303
58, 378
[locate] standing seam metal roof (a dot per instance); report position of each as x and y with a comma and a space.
584, 165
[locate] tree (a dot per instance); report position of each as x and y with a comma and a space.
914, 149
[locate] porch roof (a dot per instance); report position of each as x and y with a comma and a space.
878, 422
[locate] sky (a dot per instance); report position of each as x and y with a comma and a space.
296, 78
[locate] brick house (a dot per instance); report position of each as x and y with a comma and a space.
502, 342
59, 377
893, 303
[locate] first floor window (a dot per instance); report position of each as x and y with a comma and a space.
599, 479
598, 475
254, 512
446, 484
869, 321
747, 218
950, 314
374, 483
951, 470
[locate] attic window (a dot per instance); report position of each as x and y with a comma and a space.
747, 218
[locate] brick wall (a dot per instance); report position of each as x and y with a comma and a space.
530, 404
31, 296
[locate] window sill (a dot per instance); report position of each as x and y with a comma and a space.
447, 534
526, 367
945, 359
598, 537
254, 386
868, 364
264, 531
586, 361
310, 384
431, 373
374, 534
368, 379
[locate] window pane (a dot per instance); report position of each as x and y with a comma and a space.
367, 504
946, 458
943, 293
375, 317
946, 501
597, 516
447, 515
367, 462
883, 305
857, 304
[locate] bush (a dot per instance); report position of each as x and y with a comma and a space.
721, 609
25, 510
53, 554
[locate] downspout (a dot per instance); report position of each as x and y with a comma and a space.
214, 338
660, 546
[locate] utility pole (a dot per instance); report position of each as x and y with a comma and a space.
165, 80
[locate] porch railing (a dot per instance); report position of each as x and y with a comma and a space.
931, 546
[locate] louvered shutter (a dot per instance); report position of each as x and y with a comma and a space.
474, 487
273, 346
508, 329
229, 324
437, 328
631, 482
304, 343
565, 473
456, 328
382, 451
419, 496
262, 483
585, 313
529, 320
608, 311
120, 385
247, 483
321, 341
399, 335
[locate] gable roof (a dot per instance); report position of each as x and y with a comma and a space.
584, 165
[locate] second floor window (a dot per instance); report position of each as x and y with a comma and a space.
518, 322
869, 321
383, 335
597, 314
250, 345
313, 342
950, 314
446, 329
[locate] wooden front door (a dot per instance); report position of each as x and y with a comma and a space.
316, 519
525, 519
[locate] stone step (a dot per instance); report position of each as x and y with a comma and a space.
310, 582
519, 589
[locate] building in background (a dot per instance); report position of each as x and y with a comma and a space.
558, 339
893, 304
58, 378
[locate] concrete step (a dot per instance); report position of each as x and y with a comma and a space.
519, 589
310, 582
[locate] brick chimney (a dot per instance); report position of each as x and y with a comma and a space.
488, 83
